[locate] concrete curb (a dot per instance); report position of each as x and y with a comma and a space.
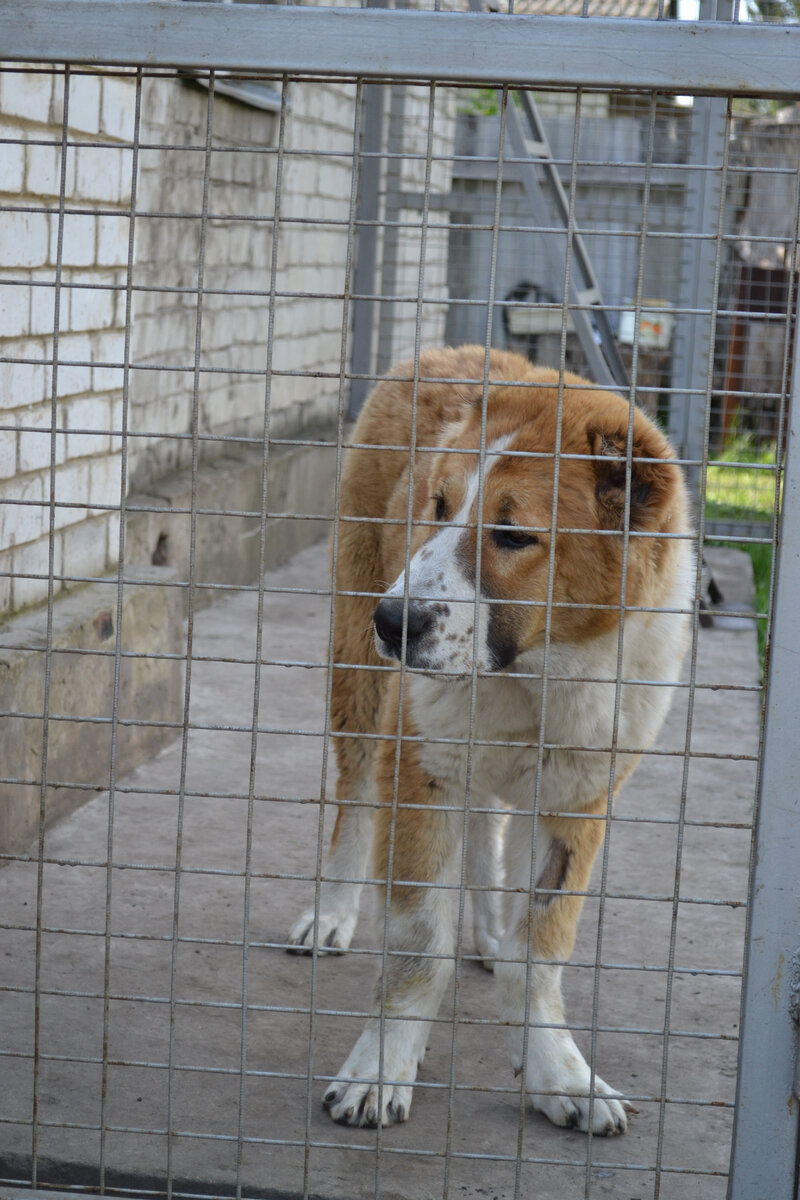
154, 605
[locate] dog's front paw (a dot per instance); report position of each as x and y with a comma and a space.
332, 932
572, 1111
356, 1097
366, 1104
559, 1081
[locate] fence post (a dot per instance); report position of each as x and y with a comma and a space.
766, 1134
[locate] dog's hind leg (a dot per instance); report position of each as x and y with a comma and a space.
557, 1077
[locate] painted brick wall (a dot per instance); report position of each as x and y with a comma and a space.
236, 258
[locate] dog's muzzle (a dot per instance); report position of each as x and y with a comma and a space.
388, 618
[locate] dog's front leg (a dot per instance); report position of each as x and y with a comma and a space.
375, 1083
331, 927
557, 1077
486, 878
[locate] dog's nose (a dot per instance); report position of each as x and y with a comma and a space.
389, 621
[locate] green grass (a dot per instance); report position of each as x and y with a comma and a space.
745, 493
741, 493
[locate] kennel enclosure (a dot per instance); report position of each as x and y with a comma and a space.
190, 279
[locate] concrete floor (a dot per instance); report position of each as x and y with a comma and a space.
177, 1065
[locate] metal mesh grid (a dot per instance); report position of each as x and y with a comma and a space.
158, 1038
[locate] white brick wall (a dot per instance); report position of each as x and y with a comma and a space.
94, 256
92, 252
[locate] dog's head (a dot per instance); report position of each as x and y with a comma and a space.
490, 569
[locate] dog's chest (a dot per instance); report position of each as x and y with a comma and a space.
491, 737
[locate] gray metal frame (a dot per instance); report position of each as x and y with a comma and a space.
711, 58
674, 56
765, 1160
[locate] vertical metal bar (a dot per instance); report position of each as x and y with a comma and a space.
626, 534
326, 742
401, 699
198, 334
687, 754
262, 549
548, 627
366, 240
118, 638
693, 331
765, 1160
392, 208
473, 693
48, 659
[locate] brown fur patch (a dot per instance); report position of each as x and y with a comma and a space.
553, 872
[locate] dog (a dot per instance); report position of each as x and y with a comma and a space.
512, 639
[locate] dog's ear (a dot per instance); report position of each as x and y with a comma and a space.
652, 481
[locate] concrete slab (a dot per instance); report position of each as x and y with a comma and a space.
164, 1049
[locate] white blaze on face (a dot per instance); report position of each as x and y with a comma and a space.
439, 579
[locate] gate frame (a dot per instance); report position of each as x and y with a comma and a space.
700, 58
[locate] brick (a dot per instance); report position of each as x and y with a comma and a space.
112, 241
22, 522
27, 94
20, 382
105, 480
89, 414
98, 174
74, 379
43, 306
78, 247
159, 99
43, 171
24, 239
117, 108
12, 163
8, 453
35, 439
91, 307
107, 379
15, 303
72, 491
108, 348
84, 103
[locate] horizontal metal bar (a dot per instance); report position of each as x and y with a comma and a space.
675, 56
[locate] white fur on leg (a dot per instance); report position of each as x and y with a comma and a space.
333, 930
557, 1077
558, 1081
485, 871
356, 1098
414, 986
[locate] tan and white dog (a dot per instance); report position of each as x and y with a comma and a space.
485, 608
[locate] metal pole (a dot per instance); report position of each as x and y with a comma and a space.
766, 1137
366, 239
366, 242
692, 332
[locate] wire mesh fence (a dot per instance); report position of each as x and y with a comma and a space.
201, 278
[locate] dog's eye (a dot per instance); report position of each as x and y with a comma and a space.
441, 509
509, 537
